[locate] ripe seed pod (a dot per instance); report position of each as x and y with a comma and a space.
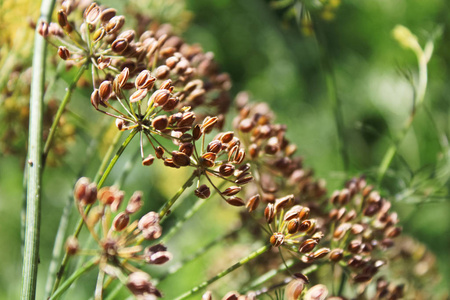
207, 296
244, 180
305, 226
105, 90
246, 125
226, 137
119, 45
304, 213
144, 80
336, 255
203, 192
253, 203
128, 35
226, 170
138, 95
269, 213
95, 98
62, 18
235, 201
214, 146
115, 24
307, 246
121, 221
187, 148
322, 252
159, 98
294, 289
208, 124
120, 124
171, 104
159, 258
231, 191
148, 161
277, 239
123, 76
135, 203
293, 226
80, 188
159, 152
160, 122
107, 15
180, 159
90, 195
283, 202
162, 72
92, 13
240, 156
63, 52
187, 120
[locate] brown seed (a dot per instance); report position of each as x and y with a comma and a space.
187, 148
123, 76
304, 213
336, 255
119, 45
226, 170
90, 195
209, 156
159, 258
138, 95
253, 203
292, 213
43, 29
322, 252
107, 15
115, 24
160, 122
240, 156
214, 146
98, 35
92, 13
253, 150
277, 239
393, 232
307, 246
103, 63
120, 124
235, 201
80, 188
121, 221
159, 152
148, 161
62, 18
246, 125
226, 137
344, 197
231, 296
293, 226
135, 203
294, 289
362, 278
144, 80
305, 226
244, 180
208, 124
172, 61
171, 104
357, 229
197, 132
166, 85
95, 98
159, 98
341, 230
105, 90
180, 159
232, 153
203, 192
63, 52
162, 72
231, 191
281, 203
187, 120
269, 212
317, 292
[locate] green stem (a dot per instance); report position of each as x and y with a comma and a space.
66, 284
165, 209
419, 97
61, 108
194, 209
107, 156
80, 223
240, 263
34, 172
342, 284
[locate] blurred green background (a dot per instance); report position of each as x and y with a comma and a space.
266, 53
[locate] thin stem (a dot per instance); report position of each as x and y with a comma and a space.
59, 113
240, 263
80, 223
195, 208
107, 156
34, 171
165, 209
66, 284
342, 284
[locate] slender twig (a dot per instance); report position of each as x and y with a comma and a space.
79, 225
59, 113
179, 224
165, 209
89, 265
34, 173
240, 263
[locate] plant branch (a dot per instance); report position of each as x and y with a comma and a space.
59, 113
34, 172
240, 263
